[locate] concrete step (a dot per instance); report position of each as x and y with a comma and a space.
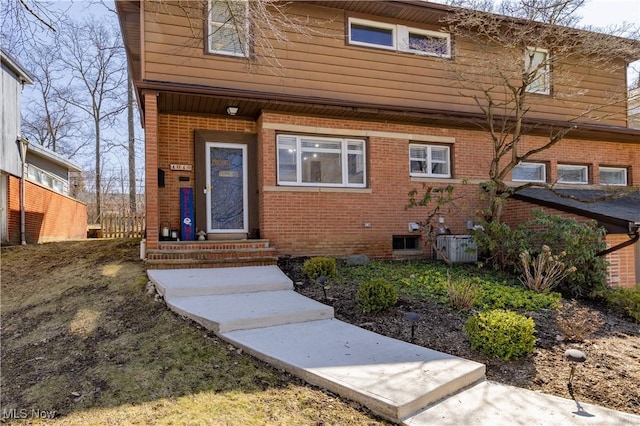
209, 253
394, 379
496, 404
230, 312
207, 282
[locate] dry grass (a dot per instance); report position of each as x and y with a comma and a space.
82, 338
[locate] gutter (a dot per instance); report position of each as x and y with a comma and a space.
23, 146
634, 236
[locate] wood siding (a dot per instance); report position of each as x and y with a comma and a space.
323, 66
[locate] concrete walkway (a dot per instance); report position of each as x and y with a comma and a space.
255, 308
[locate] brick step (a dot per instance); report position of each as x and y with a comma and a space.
211, 254
208, 254
214, 245
227, 262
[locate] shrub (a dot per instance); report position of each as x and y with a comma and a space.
376, 295
626, 299
503, 296
500, 333
577, 324
462, 293
579, 241
545, 271
319, 267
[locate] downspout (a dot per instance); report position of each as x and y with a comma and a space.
634, 236
24, 144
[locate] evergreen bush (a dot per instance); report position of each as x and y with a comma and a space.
501, 333
376, 295
319, 267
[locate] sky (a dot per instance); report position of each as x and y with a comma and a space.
609, 12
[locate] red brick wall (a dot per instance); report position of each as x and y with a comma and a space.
622, 263
312, 222
151, 148
49, 216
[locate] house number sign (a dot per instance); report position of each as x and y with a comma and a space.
183, 167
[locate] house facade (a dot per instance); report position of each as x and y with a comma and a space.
314, 138
35, 205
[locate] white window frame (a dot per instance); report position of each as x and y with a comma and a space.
344, 160
47, 180
213, 26
525, 163
374, 24
612, 169
404, 46
429, 160
543, 73
400, 37
585, 170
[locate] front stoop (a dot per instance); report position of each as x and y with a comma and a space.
211, 254
255, 308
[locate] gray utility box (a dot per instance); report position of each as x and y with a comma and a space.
458, 248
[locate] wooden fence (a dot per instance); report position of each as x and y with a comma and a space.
118, 225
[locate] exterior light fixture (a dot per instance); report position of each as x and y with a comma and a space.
412, 318
232, 110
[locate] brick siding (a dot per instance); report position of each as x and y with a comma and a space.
308, 221
49, 216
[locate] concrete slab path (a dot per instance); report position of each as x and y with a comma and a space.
255, 308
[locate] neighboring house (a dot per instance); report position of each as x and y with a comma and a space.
634, 108
317, 149
37, 208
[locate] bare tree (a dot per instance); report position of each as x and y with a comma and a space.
520, 58
51, 120
94, 56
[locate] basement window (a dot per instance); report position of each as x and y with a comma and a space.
406, 242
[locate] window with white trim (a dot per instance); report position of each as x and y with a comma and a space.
399, 37
46, 179
228, 27
537, 70
529, 172
321, 161
613, 176
573, 174
429, 160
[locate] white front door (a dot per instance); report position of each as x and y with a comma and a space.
227, 193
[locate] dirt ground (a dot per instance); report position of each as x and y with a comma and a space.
610, 377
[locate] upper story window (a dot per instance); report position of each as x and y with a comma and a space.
399, 37
529, 172
613, 176
536, 63
228, 27
430, 160
320, 161
573, 174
